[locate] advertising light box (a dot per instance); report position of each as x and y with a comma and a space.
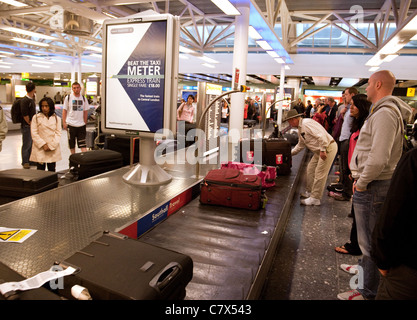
138, 60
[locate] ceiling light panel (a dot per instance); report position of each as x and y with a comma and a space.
226, 7
27, 32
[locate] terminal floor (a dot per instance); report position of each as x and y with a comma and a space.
305, 266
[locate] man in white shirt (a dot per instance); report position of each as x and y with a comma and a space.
314, 136
74, 118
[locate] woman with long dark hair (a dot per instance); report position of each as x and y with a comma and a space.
46, 135
359, 110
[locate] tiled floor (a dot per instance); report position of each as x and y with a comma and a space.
306, 267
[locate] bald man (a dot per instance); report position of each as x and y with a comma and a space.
373, 162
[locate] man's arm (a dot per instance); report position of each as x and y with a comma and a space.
64, 119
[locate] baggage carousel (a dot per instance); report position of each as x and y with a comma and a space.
232, 249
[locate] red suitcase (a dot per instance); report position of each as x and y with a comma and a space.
268, 174
232, 188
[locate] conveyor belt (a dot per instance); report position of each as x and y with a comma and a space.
70, 217
231, 248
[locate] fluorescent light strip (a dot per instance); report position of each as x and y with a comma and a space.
390, 57
374, 61
14, 3
412, 25
88, 65
279, 60
185, 50
254, 34
6, 52
62, 61
27, 33
35, 43
40, 61
92, 48
5, 67
226, 7
40, 66
373, 69
4, 62
208, 65
96, 55
209, 60
109, 14
264, 45
273, 54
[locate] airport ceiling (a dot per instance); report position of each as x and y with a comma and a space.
204, 28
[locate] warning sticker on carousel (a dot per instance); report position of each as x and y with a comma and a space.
15, 235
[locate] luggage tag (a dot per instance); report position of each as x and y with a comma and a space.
249, 156
9, 288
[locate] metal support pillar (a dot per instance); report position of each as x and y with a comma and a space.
240, 56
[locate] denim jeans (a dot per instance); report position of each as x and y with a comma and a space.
26, 143
367, 206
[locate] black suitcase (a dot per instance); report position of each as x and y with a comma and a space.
20, 183
91, 163
122, 145
271, 152
115, 267
9, 275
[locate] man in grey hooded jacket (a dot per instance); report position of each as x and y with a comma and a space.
373, 162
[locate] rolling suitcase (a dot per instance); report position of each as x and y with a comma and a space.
91, 134
231, 188
91, 163
278, 153
20, 183
270, 152
9, 275
115, 267
122, 145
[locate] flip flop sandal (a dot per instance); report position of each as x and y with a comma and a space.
342, 250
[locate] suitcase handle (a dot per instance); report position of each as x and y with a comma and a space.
163, 278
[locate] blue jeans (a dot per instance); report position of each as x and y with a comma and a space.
26, 143
367, 206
